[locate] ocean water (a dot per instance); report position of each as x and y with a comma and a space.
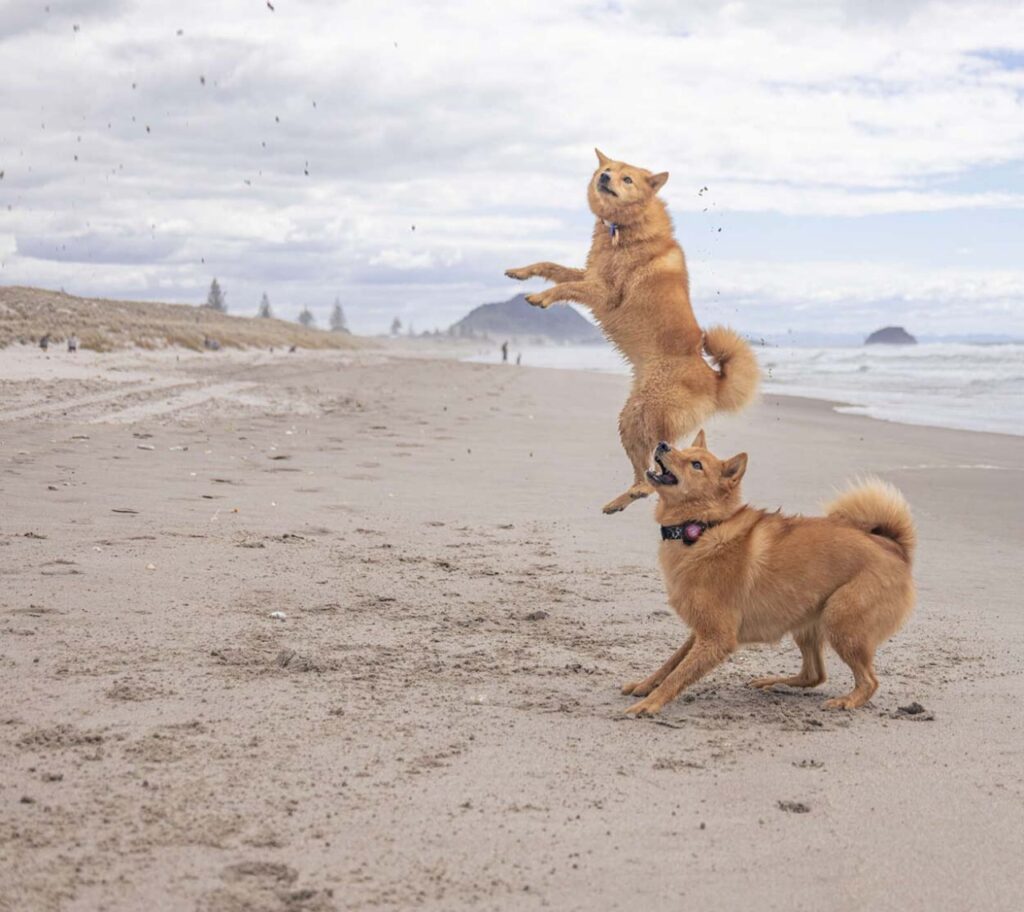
952, 385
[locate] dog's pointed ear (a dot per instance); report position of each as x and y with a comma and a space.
733, 469
657, 181
602, 159
700, 440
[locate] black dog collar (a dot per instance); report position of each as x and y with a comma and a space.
687, 532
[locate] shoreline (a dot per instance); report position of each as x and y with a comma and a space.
868, 401
835, 405
453, 350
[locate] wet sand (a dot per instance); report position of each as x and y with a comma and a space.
346, 630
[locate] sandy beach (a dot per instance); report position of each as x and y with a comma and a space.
345, 630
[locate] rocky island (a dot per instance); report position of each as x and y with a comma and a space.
890, 335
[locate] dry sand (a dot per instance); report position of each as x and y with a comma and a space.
435, 721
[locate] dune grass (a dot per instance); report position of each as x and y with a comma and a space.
27, 314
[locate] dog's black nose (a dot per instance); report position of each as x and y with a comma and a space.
662, 448
605, 177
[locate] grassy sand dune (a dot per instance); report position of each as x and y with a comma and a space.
27, 314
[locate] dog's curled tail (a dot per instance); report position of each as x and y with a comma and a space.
879, 508
738, 370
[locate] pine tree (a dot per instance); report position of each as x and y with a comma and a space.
264, 310
396, 326
338, 321
306, 318
216, 299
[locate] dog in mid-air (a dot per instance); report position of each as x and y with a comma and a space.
636, 285
736, 575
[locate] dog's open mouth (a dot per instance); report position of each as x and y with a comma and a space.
604, 188
664, 477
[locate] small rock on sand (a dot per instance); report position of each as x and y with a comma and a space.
794, 807
914, 712
538, 615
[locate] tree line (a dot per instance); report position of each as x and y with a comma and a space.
216, 299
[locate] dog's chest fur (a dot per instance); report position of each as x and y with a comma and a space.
646, 309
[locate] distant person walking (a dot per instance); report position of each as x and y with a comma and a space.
504, 352
519, 359
72, 343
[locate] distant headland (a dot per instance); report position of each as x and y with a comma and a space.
515, 319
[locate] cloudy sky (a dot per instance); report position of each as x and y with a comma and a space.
864, 161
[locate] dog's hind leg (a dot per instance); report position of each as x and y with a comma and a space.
846, 622
644, 687
812, 671
641, 428
634, 492
646, 419
861, 661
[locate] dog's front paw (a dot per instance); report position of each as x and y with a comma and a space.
850, 701
637, 688
648, 707
520, 275
538, 300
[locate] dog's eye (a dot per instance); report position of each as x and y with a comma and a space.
696, 464
627, 180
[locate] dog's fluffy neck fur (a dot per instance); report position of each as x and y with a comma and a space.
637, 225
699, 509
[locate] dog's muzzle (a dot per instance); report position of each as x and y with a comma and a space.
665, 476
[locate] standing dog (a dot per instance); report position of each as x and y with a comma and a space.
736, 575
637, 287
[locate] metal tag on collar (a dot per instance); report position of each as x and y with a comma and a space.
613, 230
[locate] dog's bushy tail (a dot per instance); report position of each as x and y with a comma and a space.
739, 372
879, 508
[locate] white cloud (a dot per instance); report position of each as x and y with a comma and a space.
402, 260
293, 151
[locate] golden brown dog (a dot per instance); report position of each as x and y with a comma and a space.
736, 575
637, 287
